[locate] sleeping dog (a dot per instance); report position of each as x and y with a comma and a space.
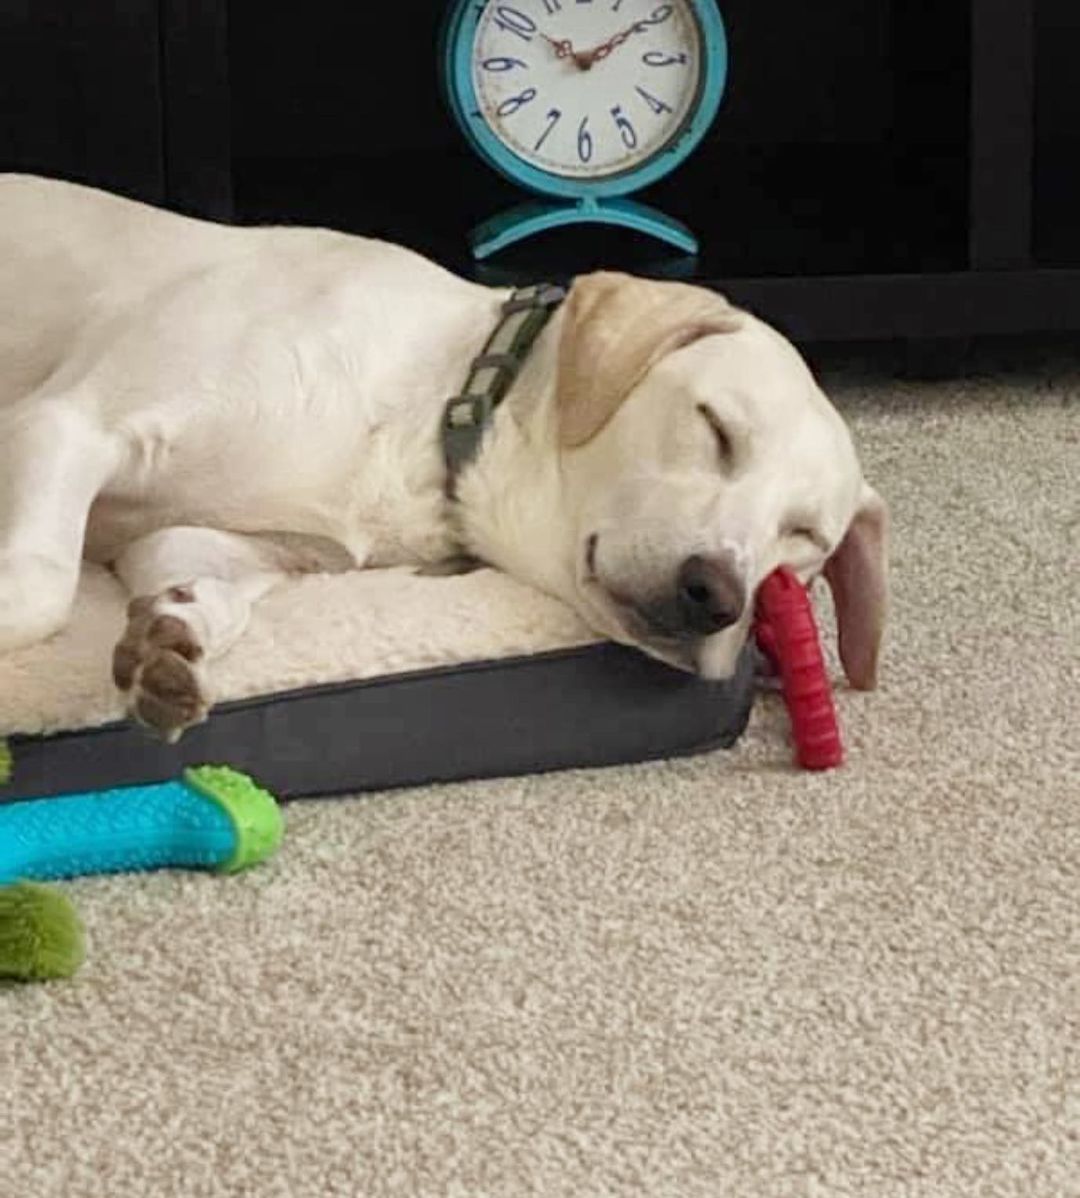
209, 409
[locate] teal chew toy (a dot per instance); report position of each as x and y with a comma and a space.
213, 818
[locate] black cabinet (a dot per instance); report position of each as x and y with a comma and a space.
878, 168
130, 95
80, 92
1056, 188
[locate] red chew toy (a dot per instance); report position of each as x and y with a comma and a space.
785, 631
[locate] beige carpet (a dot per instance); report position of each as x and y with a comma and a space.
707, 977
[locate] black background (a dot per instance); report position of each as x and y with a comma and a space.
821, 140
843, 147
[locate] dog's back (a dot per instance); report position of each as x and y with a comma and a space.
71, 256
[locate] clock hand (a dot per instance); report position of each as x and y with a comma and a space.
605, 48
562, 45
564, 49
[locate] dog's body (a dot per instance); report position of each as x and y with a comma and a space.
209, 408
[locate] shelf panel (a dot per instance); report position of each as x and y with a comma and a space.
1002, 118
779, 211
930, 306
1057, 133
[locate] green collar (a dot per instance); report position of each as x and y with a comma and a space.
466, 416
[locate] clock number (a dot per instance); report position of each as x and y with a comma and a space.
658, 106
657, 58
510, 106
615, 7
553, 116
626, 130
551, 7
503, 64
510, 20
657, 17
584, 141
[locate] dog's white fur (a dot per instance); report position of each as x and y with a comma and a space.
209, 408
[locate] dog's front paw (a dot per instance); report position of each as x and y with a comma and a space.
158, 663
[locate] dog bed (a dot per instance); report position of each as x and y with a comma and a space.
364, 681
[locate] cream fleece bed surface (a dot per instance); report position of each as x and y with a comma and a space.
316, 629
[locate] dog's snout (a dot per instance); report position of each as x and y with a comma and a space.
711, 596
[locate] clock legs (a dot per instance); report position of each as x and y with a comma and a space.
525, 220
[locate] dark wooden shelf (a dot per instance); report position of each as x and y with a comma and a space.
915, 198
1057, 202
877, 170
812, 211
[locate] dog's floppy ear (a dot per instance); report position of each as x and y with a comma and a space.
615, 326
857, 574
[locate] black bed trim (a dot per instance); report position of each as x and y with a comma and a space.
595, 705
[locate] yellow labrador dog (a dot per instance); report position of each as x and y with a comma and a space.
209, 408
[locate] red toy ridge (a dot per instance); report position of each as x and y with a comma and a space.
786, 632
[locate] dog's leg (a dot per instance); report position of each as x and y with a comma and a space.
193, 589
53, 461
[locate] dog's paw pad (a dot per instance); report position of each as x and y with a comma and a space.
157, 663
172, 633
168, 697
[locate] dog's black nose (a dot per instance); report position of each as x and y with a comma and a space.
711, 596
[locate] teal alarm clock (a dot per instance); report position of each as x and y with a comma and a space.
583, 102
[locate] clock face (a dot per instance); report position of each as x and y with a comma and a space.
587, 89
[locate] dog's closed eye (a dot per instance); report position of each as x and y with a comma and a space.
725, 441
802, 530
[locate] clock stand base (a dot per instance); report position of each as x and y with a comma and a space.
525, 220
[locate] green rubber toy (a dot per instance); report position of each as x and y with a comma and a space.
213, 818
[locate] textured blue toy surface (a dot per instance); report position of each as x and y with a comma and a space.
214, 818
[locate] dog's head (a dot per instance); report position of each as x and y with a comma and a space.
698, 454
